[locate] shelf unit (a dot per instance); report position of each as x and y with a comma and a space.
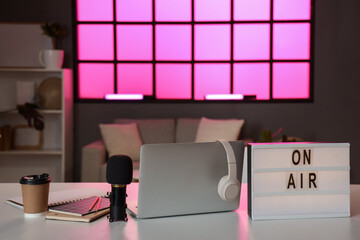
56, 155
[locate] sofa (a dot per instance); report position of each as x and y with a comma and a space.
136, 132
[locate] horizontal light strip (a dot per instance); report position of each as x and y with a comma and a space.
124, 96
224, 97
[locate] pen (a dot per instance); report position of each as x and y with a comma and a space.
92, 206
98, 204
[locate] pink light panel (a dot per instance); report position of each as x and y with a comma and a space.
173, 81
252, 10
292, 10
212, 42
134, 42
135, 78
212, 10
134, 10
211, 79
291, 80
172, 10
95, 42
94, 10
173, 42
252, 79
95, 80
252, 41
291, 41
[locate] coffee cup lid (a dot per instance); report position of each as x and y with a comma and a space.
36, 179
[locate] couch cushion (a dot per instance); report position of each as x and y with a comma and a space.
212, 129
122, 139
153, 130
186, 129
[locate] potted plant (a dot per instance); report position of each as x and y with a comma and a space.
52, 58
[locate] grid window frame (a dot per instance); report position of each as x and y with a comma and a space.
232, 61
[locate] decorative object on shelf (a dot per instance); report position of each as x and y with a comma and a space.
33, 117
26, 138
25, 92
5, 138
50, 93
52, 58
268, 136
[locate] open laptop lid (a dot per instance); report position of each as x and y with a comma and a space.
182, 178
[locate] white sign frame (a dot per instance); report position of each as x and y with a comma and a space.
298, 180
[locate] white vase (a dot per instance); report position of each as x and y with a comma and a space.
51, 58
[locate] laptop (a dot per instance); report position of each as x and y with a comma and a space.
182, 178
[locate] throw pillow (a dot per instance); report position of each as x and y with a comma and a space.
122, 139
211, 130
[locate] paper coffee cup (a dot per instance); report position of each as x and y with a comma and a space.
35, 193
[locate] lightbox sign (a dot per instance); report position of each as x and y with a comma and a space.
298, 180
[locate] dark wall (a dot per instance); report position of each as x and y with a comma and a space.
333, 116
43, 11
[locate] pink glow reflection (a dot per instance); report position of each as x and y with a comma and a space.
95, 80
251, 41
252, 79
211, 79
135, 78
172, 10
212, 42
292, 10
291, 41
134, 42
173, 81
212, 10
291, 80
134, 10
95, 42
94, 10
173, 42
252, 9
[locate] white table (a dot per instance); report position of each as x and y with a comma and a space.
223, 226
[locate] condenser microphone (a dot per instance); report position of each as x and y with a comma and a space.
119, 172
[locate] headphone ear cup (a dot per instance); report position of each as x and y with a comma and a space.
228, 189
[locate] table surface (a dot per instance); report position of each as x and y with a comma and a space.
229, 225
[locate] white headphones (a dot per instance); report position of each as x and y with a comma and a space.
229, 186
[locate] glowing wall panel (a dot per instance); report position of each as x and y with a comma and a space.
211, 79
95, 42
212, 42
238, 52
212, 10
134, 10
95, 80
173, 81
135, 78
172, 10
173, 42
251, 10
252, 79
134, 42
251, 41
94, 10
291, 41
291, 80
292, 10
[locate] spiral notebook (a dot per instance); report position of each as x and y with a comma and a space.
62, 197
82, 207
